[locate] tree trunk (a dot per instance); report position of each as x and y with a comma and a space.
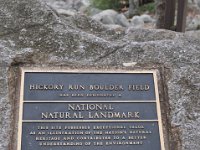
160, 13
133, 7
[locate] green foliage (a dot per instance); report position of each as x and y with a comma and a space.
150, 7
106, 4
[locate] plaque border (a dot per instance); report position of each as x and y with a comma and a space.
23, 70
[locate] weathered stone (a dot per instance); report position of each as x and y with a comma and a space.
76, 5
93, 11
137, 22
194, 34
194, 3
106, 16
193, 23
32, 34
147, 18
120, 19
111, 17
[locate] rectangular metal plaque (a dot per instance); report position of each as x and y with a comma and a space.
84, 110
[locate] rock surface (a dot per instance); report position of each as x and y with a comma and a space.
106, 17
111, 17
193, 23
194, 34
32, 34
147, 18
68, 5
137, 22
120, 19
195, 3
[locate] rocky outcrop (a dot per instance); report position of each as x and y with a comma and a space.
32, 34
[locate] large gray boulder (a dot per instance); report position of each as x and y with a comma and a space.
32, 34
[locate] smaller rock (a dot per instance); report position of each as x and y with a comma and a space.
137, 22
194, 24
106, 16
120, 19
147, 18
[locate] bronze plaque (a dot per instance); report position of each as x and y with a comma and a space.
89, 110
